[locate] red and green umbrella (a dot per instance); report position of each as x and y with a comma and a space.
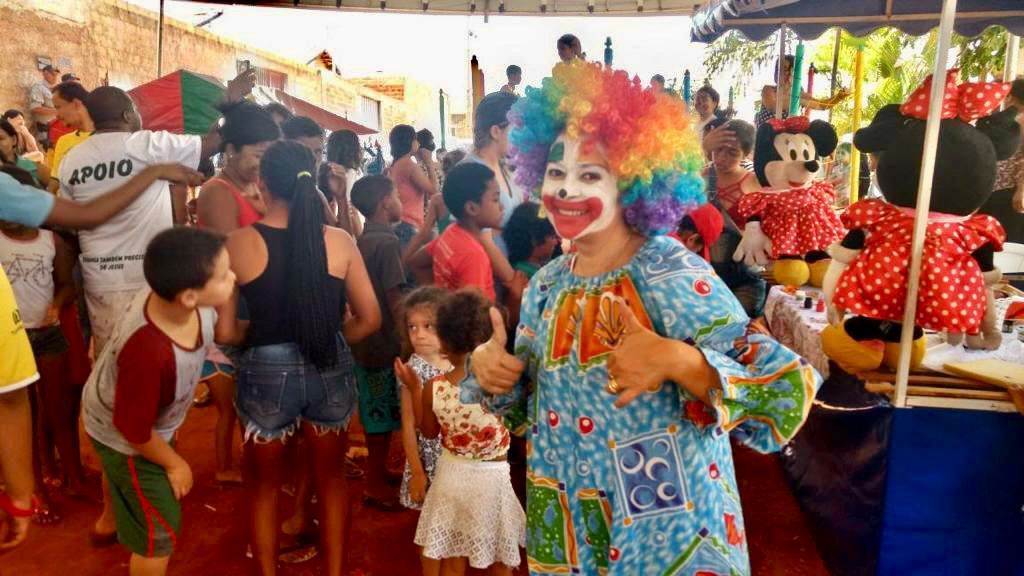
182, 102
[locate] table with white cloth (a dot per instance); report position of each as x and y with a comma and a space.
796, 327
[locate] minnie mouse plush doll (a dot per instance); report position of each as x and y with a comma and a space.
869, 269
792, 223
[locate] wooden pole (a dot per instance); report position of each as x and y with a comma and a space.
924, 195
780, 98
440, 99
160, 41
858, 98
1012, 54
835, 67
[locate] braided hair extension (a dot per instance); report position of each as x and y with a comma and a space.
287, 171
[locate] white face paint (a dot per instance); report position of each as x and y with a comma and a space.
580, 193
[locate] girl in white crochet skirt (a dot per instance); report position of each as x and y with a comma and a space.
470, 513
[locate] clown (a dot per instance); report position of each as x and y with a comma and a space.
633, 362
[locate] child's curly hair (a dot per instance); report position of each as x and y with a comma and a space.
429, 297
648, 137
464, 321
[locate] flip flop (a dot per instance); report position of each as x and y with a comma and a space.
100, 540
353, 470
298, 555
388, 505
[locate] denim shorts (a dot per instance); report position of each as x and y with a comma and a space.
277, 390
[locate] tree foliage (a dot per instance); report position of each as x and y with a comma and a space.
895, 64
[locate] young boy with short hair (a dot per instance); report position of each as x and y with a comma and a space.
458, 257
379, 407
143, 383
700, 229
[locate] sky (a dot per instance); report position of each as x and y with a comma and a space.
435, 49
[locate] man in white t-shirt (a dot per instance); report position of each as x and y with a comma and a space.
111, 255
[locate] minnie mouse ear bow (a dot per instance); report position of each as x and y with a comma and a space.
968, 101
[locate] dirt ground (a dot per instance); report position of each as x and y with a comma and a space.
213, 533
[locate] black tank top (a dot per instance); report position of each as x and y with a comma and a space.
266, 297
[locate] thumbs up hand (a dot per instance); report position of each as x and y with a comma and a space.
643, 360
495, 369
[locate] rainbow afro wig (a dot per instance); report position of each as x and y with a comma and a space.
648, 138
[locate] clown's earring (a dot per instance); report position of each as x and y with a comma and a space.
542, 212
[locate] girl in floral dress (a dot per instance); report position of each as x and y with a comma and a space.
427, 362
471, 513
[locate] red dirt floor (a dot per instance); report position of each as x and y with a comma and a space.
213, 542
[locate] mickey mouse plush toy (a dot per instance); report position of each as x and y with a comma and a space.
791, 223
868, 274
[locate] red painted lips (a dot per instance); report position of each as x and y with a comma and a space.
571, 218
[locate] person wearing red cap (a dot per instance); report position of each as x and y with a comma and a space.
700, 229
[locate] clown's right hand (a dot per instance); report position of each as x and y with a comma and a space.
754, 248
495, 369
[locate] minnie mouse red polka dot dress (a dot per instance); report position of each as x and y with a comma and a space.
797, 221
951, 294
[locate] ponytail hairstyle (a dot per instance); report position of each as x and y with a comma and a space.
287, 172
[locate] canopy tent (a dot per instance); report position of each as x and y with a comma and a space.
182, 102
759, 19
490, 7
185, 102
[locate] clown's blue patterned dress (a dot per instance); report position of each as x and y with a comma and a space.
648, 489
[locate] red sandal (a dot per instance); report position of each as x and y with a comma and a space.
7, 505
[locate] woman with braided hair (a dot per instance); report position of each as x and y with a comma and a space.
296, 374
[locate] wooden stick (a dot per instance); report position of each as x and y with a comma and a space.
889, 389
934, 380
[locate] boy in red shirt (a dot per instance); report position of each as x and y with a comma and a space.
143, 383
458, 256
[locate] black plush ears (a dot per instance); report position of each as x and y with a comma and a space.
824, 137
884, 128
1004, 132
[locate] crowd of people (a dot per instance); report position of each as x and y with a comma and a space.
262, 264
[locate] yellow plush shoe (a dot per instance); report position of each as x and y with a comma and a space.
817, 271
892, 354
790, 273
853, 356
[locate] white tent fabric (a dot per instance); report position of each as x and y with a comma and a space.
496, 7
758, 19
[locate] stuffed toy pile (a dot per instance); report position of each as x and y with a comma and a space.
869, 271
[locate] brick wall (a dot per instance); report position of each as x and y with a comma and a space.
100, 39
